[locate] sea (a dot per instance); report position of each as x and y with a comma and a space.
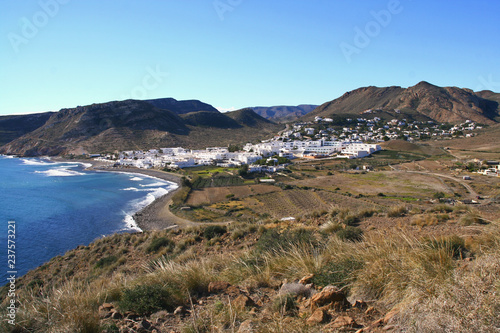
55, 207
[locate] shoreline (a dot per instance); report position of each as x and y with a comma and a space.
155, 216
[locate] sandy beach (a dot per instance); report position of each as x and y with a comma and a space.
157, 215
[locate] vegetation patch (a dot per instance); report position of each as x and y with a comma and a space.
146, 299
159, 243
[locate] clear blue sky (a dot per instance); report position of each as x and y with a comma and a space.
238, 53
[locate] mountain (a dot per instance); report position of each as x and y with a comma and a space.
135, 124
283, 113
423, 101
12, 127
181, 107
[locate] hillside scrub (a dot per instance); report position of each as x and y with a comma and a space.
435, 284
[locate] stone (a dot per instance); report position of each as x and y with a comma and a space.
218, 287
248, 326
296, 289
243, 301
317, 317
360, 304
306, 279
344, 322
329, 294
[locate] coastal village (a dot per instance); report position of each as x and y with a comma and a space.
346, 138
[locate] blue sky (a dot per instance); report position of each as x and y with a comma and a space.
238, 53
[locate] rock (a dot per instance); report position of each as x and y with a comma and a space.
360, 304
344, 322
296, 289
317, 317
248, 326
179, 311
329, 294
218, 287
243, 301
116, 315
306, 279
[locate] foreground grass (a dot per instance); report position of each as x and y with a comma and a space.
445, 284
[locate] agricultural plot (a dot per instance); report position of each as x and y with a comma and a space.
211, 195
217, 182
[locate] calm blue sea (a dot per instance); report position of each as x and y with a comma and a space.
58, 206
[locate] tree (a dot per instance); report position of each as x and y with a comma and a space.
243, 170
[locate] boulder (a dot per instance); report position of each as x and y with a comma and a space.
329, 294
317, 317
297, 289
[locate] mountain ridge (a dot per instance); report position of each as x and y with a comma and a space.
424, 100
132, 124
283, 113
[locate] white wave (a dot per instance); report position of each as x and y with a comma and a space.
136, 179
7, 156
35, 162
155, 184
60, 172
130, 223
130, 189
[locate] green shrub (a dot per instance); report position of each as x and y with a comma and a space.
455, 245
337, 273
146, 299
159, 243
352, 234
214, 231
106, 261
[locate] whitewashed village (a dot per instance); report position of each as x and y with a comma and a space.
358, 138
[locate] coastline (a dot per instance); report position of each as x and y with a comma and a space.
155, 216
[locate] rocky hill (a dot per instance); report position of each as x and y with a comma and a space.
12, 127
181, 107
135, 125
283, 113
422, 101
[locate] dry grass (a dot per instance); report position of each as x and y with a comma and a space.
427, 280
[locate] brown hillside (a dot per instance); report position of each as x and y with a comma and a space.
422, 101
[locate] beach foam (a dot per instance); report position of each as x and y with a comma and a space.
136, 179
60, 172
155, 184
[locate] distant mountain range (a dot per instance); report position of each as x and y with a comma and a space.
284, 114
423, 101
131, 124
166, 122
